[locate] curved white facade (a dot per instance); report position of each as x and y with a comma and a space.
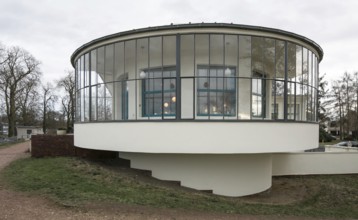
203, 104
197, 137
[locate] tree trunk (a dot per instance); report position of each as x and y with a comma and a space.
12, 115
44, 119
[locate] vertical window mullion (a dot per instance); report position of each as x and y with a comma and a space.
237, 79
208, 93
285, 84
178, 79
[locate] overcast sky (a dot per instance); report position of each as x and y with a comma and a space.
52, 29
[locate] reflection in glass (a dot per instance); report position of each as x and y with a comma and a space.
82, 73
258, 108
280, 60
108, 101
159, 94
155, 52
299, 77
129, 59
257, 55
222, 76
216, 93
187, 55
216, 49
169, 51
269, 58
100, 64
101, 101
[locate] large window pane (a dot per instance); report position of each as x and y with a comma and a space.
202, 49
100, 64
94, 103
129, 59
159, 94
86, 70
78, 105
280, 77
78, 74
291, 62
86, 91
155, 52
120, 89
109, 63
280, 60
305, 66
109, 69
169, 51
299, 77
258, 108
202, 59
87, 103
130, 70
81, 73
231, 52
216, 93
83, 94
101, 102
269, 58
269, 71
187, 68
278, 90
142, 55
216, 50
257, 56
310, 76
291, 77
291, 105
244, 56
93, 67
187, 57
109, 101
244, 85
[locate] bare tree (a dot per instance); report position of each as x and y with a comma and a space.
3, 57
17, 68
48, 100
28, 103
347, 87
337, 94
68, 101
323, 102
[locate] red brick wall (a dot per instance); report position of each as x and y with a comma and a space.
62, 145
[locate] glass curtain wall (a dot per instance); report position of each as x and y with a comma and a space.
219, 77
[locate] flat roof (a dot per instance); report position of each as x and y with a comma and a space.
199, 25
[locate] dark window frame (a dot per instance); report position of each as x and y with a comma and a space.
222, 92
149, 87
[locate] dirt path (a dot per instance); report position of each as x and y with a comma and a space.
21, 206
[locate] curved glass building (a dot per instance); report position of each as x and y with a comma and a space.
204, 104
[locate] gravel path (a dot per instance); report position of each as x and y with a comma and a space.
14, 152
21, 206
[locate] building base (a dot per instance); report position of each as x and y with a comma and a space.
227, 175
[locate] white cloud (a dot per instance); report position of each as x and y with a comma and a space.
52, 30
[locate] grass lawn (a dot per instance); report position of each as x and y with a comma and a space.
74, 182
333, 142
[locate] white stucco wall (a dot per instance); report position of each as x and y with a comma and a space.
229, 175
197, 137
314, 163
22, 132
